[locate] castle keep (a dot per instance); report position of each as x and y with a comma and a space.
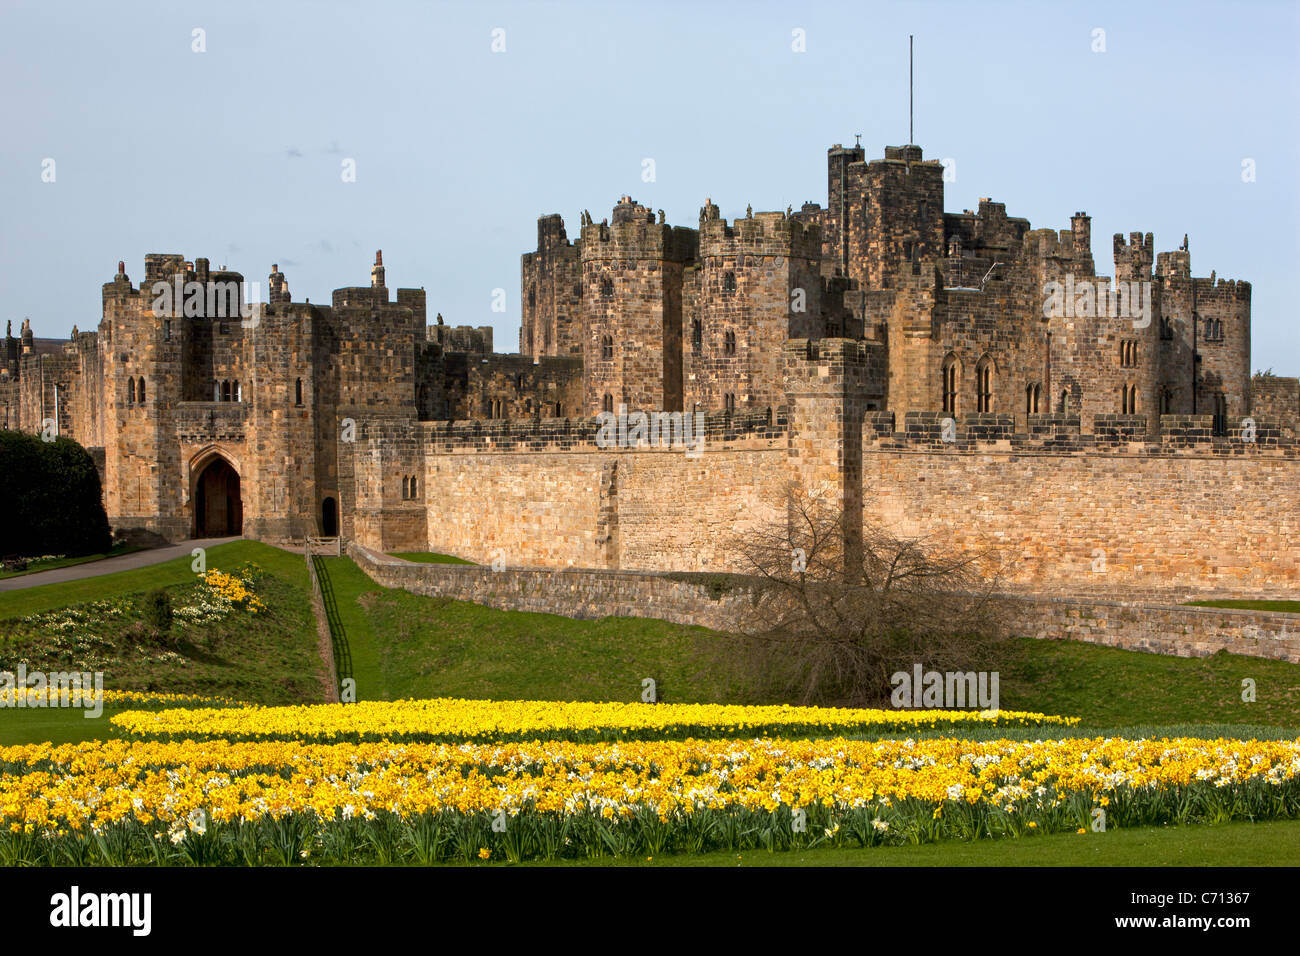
944, 372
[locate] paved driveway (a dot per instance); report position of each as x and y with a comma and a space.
123, 562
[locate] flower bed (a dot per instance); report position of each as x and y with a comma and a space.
124, 801
447, 719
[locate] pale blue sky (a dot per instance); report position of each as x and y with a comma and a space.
235, 154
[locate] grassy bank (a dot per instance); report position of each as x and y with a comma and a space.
95, 625
406, 645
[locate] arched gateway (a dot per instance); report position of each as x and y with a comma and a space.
218, 508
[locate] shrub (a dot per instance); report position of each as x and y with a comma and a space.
840, 606
57, 505
156, 611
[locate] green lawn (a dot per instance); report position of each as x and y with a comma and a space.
1286, 607
35, 566
405, 645
269, 657
57, 725
1109, 686
428, 557
1274, 843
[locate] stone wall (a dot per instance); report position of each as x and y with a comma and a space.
1210, 515
1163, 629
583, 594
547, 497
591, 594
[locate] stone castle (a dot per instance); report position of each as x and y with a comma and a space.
955, 373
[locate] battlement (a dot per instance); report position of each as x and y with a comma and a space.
1174, 265
762, 234
1126, 435
193, 288
551, 234
460, 338
635, 234
911, 155
1073, 244
1134, 258
1217, 288
761, 426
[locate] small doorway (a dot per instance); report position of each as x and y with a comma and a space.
218, 507
329, 518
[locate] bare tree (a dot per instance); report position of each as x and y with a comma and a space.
838, 608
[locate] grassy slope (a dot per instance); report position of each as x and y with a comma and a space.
423, 647
271, 659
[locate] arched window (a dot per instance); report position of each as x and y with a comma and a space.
607, 347
1032, 393
607, 287
532, 297
139, 390
607, 403
697, 337
238, 392
951, 381
1065, 401
984, 379
728, 283
1128, 351
519, 381
225, 390
729, 343
405, 488
1166, 328
729, 402
297, 392
130, 391
1128, 400
1166, 401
